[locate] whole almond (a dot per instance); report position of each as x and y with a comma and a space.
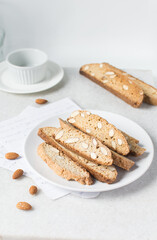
11, 155
18, 173
33, 190
23, 206
40, 101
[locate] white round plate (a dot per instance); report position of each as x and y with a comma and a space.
124, 177
54, 76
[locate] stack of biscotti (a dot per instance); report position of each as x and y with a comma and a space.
82, 149
85, 146
130, 89
102, 173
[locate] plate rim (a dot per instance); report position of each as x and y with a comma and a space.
91, 190
5, 89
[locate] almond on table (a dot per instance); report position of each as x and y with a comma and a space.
33, 190
11, 155
41, 101
17, 174
23, 206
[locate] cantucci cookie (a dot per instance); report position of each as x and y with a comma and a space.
83, 144
98, 127
63, 165
150, 92
135, 149
114, 80
122, 161
129, 138
107, 174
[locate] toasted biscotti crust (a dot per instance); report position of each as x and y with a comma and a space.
115, 81
100, 128
46, 152
83, 144
107, 174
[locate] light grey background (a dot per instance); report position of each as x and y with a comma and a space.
74, 32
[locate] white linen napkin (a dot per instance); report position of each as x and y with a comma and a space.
12, 137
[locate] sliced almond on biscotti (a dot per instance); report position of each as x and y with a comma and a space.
62, 165
100, 172
118, 160
93, 153
107, 133
115, 81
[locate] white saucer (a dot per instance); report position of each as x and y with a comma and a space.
54, 75
124, 178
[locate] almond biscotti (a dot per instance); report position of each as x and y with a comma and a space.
102, 173
150, 92
108, 134
118, 159
63, 165
98, 127
114, 80
47, 134
83, 144
129, 138
122, 161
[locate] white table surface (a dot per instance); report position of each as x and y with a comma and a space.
126, 213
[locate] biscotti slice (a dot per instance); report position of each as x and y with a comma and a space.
107, 174
63, 165
115, 81
129, 138
118, 160
122, 161
83, 144
150, 92
135, 149
98, 127
108, 134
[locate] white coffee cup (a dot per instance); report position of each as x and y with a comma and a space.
27, 65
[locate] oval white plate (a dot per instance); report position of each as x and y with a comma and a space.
54, 75
124, 177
